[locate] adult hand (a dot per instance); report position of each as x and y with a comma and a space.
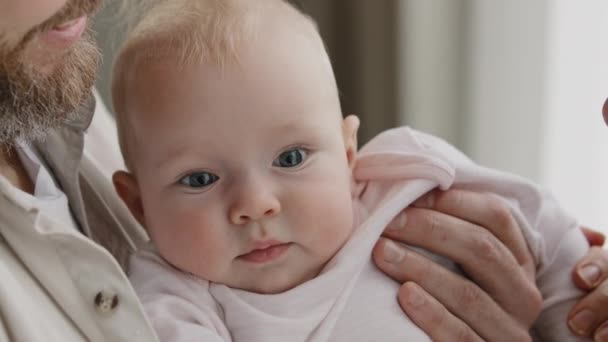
479, 233
590, 316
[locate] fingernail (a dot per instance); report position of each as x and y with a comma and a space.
581, 322
399, 223
601, 334
590, 274
393, 253
414, 297
402, 220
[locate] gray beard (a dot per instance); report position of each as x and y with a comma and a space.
31, 105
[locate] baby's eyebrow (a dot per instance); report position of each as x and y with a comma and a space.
171, 158
293, 125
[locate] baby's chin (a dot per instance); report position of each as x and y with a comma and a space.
278, 282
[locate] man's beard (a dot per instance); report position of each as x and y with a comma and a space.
32, 102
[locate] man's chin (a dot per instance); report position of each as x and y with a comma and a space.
34, 100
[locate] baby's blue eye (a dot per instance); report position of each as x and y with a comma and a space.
199, 179
290, 158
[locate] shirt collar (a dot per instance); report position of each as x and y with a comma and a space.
62, 152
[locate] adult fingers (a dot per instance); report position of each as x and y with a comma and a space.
484, 210
590, 314
592, 269
432, 317
459, 295
480, 254
589, 317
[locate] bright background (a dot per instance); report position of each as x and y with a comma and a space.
518, 84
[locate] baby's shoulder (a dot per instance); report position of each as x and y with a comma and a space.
409, 140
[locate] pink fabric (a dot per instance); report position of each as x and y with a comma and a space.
351, 300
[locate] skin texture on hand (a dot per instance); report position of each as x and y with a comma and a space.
590, 316
485, 240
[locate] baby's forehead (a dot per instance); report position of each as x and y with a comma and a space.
253, 84
285, 63
253, 89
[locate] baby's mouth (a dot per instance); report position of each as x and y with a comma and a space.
266, 252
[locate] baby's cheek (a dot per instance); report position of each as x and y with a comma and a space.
190, 250
333, 222
335, 233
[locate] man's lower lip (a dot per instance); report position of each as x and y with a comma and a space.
67, 34
267, 254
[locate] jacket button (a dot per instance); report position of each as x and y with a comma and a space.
106, 302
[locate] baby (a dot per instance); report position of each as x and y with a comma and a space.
261, 212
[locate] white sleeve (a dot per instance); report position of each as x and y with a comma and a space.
554, 238
179, 307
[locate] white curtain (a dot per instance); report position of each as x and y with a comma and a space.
518, 85
575, 144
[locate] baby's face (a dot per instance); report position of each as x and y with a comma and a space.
243, 172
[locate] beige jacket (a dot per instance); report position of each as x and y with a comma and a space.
62, 286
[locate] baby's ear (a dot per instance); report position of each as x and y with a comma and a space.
128, 190
350, 127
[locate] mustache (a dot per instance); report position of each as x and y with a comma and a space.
71, 10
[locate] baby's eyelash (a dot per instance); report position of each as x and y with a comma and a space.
198, 179
291, 157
